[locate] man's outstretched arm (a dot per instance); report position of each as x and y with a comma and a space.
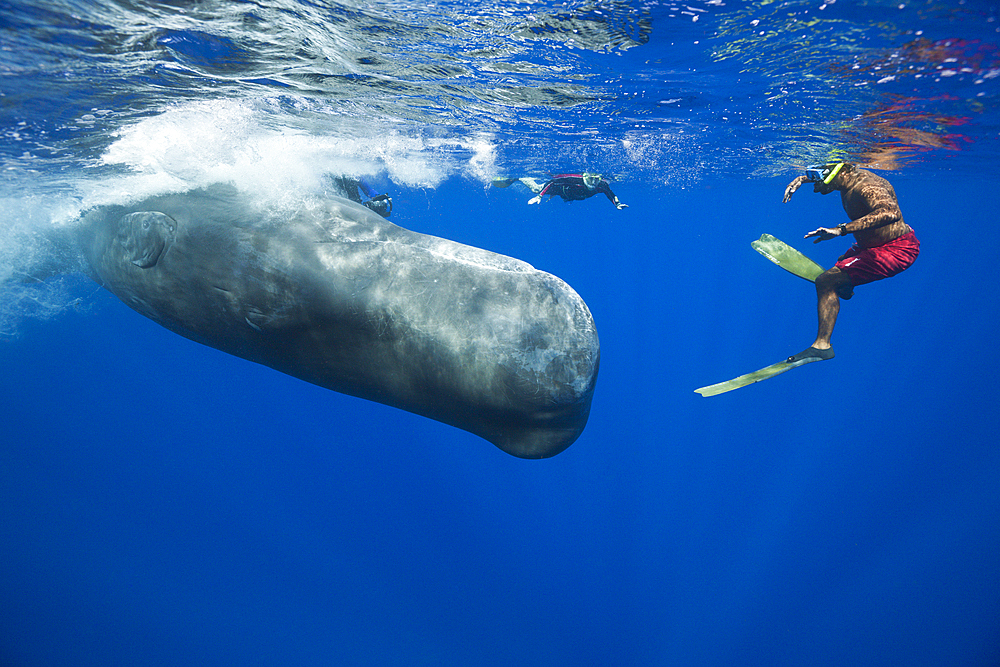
612, 197
792, 187
827, 233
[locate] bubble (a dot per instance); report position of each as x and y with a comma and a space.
37, 260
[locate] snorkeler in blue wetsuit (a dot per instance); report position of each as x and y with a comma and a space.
571, 187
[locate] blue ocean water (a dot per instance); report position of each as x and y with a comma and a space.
164, 503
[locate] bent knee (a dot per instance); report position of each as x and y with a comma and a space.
832, 278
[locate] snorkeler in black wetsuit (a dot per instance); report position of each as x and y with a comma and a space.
571, 187
352, 189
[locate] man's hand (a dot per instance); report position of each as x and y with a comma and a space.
825, 233
792, 187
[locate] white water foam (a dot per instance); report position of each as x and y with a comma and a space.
279, 159
238, 142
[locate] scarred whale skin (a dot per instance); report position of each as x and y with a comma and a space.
337, 296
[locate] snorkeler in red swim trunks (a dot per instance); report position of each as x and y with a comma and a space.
885, 245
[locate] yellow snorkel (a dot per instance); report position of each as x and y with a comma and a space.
833, 173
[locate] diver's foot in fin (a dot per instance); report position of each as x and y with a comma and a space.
811, 354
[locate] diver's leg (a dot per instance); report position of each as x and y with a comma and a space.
828, 307
828, 284
532, 184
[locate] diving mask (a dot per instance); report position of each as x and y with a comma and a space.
823, 173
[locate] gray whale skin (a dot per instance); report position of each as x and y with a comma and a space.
341, 298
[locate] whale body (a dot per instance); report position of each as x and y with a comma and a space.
339, 297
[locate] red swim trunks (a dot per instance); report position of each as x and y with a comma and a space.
865, 265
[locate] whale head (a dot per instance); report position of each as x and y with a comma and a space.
143, 236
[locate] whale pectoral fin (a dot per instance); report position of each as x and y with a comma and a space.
144, 235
